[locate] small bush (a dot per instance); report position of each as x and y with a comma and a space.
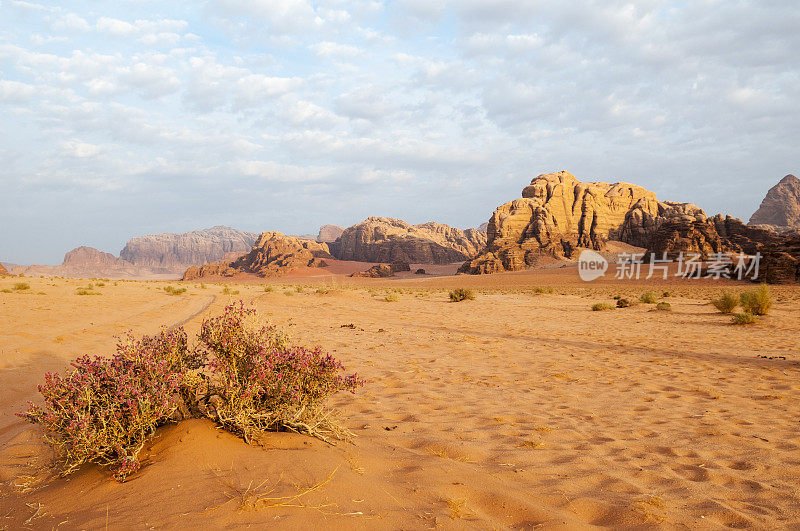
288, 293
617, 297
544, 289
665, 295
21, 286
101, 284
105, 409
174, 291
461, 294
623, 303
7, 290
268, 289
600, 306
726, 303
744, 318
228, 291
648, 298
664, 307
757, 302
85, 291
391, 297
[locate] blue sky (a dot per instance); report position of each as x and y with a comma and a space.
133, 117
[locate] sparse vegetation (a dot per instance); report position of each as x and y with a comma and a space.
744, 318
648, 298
228, 291
174, 291
21, 286
664, 307
726, 303
544, 289
757, 302
391, 297
268, 288
246, 378
623, 303
461, 294
600, 306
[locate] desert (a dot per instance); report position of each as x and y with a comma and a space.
520, 408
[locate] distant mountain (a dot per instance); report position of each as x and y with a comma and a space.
781, 206
174, 253
329, 233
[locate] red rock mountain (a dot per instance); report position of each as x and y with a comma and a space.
781, 206
392, 240
273, 254
559, 215
3, 271
173, 253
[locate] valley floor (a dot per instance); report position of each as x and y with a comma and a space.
517, 409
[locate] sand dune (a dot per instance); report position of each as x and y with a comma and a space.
514, 410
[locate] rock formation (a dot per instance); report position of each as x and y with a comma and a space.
781, 206
781, 261
88, 262
383, 270
329, 233
558, 215
3, 271
173, 253
273, 254
392, 240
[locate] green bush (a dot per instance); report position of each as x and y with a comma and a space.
664, 306
461, 294
623, 303
600, 306
744, 318
726, 303
21, 286
174, 291
648, 298
757, 302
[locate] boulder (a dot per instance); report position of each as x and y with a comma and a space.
383, 270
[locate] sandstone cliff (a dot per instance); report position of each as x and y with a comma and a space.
781, 206
383, 270
88, 262
393, 240
173, 253
3, 271
558, 215
273, 254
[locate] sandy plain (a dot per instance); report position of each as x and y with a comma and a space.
519, 409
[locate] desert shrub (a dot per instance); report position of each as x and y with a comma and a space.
247, 378
623, 303
174, 291
757, 302
228, 291
7, 290
461, 294
104, 410
665, 294
664, 306
600, 306
391, 297
744, 318
617, 297
298, 289
268, 289
101, 284
726, 303
648, 298
21, 286
85, 291
260, 383
288, 293
544, 289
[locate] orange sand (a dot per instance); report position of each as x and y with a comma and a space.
516, 409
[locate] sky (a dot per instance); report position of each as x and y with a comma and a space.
133, 117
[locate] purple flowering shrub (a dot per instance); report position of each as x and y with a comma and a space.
260, 383
247, 378
104, 410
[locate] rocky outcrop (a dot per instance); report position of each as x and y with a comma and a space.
88, 262
3, 271
559, 214
329, 233
273, 254
392, 240
383, 270
170, 253
781, 206
780, 262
